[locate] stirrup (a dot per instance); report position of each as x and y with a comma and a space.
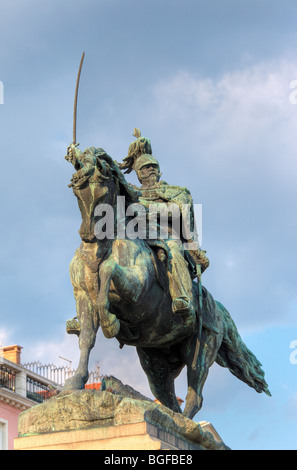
73, 327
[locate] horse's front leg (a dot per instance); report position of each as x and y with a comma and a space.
89, 323
129, 282
108, 321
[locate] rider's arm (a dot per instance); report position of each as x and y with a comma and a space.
74, 155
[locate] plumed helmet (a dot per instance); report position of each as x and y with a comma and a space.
143, 160
139, 154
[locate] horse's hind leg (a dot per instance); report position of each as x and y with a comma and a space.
194, 398
197, 373
161, 374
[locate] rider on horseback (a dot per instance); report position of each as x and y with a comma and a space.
117, 286
155, 195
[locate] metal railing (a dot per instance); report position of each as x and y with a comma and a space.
24, 379
60, 374
7, 378
51, 372
24, 383
38, 391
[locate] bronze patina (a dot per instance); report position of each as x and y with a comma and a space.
146, 291
123, 285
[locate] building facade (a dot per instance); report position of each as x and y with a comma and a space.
20, 389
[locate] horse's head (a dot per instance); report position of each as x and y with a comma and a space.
97, 180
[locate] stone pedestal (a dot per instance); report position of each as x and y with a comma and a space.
105, 420
133, 436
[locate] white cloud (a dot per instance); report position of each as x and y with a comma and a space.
49, 352
233, 140
220, 117
5, 336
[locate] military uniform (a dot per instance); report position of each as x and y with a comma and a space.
182, 261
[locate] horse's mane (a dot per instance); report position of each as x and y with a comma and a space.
125, 188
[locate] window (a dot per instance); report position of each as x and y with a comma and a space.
3, 434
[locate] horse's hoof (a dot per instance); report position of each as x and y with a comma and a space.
111, 328
74, 383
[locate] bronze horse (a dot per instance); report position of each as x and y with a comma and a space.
122, 286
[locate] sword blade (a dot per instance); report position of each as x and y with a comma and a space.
75, 99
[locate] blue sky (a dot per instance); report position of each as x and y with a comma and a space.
209, 84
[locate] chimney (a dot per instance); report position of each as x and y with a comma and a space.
11, 353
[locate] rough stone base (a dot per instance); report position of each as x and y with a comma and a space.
137, 436
92, 419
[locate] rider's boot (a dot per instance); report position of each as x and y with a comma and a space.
73, 327
183, 306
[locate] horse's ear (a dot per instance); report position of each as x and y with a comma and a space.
126, 189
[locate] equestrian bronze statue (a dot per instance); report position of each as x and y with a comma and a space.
144, 288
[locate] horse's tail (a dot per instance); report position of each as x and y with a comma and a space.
235, 355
